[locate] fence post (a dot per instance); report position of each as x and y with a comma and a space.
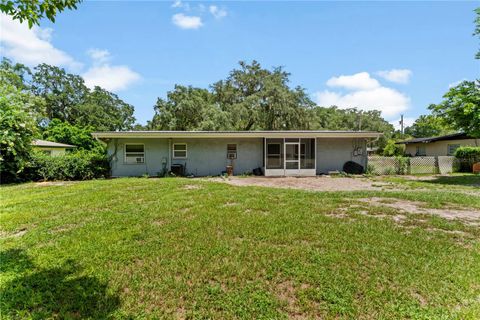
437, 166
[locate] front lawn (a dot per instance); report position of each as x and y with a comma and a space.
186, 248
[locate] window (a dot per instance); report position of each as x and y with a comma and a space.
274, 156
231, 151
134, 153
451, 148
47, 152
421, 151
179, 150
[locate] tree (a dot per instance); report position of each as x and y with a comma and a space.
62, 91
260, 99
64, 132
461, 107
17, 128
392, 149
428, 126
33, 11
104, 110
188, 108
69, 100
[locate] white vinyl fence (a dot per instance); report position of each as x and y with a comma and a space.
412, 165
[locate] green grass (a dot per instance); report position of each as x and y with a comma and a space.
180, 248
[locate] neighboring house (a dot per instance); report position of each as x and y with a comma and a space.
438, 146
51, 148
207, 153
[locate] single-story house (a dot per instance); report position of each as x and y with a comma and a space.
208, 153
438, 146
51, 148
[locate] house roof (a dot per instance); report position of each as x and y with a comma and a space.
237, 134
454, 136
50, 144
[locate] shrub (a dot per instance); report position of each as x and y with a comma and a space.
402, 166
467, 156
78, 165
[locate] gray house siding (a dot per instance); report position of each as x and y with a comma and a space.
205, 157
332, 153
208, 156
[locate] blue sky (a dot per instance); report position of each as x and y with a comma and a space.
397, 57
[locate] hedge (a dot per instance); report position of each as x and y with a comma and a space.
78, 165
467, 156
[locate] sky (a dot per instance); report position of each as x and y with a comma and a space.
397, 57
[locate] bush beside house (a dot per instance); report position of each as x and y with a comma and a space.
467, 156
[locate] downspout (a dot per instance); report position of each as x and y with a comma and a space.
169, 163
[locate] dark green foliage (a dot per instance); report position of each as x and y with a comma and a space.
251, 98
64, 132
68, 99
33, 11
78, 165
461, 108
17, 128
467, 156
428, 126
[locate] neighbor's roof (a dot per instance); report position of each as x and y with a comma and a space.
237, 134
454, 136
51, 144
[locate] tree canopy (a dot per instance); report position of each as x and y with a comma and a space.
33, 11
428, 126
461, 107
477, 29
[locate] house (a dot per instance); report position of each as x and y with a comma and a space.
438, 146
51, 148
207, 153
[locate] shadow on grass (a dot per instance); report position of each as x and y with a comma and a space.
39, 293
467, 180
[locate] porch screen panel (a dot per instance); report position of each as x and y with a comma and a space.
274, 154
307, 153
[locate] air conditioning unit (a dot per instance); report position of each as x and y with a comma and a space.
140, 159
231, 155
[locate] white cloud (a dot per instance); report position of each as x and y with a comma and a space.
112, 78
407, 122
186, 22
99, 56
396, 75
217, 12
366, 93
177, 4
31, 46
358, 81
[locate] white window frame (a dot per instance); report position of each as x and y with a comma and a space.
457, 145
179, 144
125, 153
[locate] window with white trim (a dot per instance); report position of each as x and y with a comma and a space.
179, 150
451, 148
134, 153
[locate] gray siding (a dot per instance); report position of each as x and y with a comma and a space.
332, 153
205, 157
208, 157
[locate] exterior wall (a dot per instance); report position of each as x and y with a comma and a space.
439, 148
332, 153
53, 151
204, 156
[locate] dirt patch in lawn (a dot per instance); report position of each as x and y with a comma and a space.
470, 216
320, 183
54, 183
